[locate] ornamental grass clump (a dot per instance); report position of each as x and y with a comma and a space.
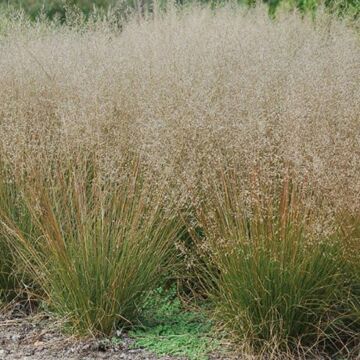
13, 278
7, 280
277, 283
99, 247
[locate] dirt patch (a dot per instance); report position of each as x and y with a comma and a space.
24, 336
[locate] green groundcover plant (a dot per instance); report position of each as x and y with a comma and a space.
167, 328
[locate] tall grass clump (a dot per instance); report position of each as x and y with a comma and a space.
7, 281
13, 278
278, 284
100, 247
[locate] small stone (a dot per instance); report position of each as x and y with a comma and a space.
29, 353
16, 337
133, 351
38, 343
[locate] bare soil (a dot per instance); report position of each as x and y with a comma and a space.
24, 336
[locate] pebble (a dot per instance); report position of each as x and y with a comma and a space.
16, 337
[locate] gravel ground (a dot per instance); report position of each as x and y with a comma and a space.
37, 337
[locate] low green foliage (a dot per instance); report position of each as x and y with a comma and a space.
169, 329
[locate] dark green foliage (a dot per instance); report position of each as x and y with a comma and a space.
58, 8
